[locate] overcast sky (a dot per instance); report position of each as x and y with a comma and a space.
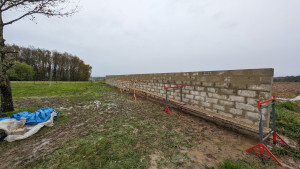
157, 36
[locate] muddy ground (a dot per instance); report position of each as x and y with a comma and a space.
286, 89
198, 142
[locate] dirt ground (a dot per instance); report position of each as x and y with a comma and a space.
200, 142
286, 89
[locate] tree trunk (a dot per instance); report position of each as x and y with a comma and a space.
6, 96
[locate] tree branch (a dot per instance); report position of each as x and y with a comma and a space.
15, 4
44, 7
12, 21
3, 3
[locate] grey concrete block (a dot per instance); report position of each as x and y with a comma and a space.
200, 98
218, 107
262, 87
237, 98
236, 111
212, 90
226, 91
245, 107
195, 93
226, 103
211, 100
247, 93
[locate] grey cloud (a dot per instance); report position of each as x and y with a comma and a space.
145, 36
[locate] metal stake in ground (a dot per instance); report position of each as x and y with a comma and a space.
260, 145
166, 88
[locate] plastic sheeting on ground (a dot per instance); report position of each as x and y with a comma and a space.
24, 124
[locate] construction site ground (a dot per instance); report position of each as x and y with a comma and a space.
99, 127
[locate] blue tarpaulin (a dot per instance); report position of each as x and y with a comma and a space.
40, 116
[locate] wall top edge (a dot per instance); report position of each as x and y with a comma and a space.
268, 71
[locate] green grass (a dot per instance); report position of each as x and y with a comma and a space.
288, 124
95, 150
46, 89
288, 119
110, 142
124, 135
7, 114
238, 164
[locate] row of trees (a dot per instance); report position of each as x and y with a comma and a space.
287, 79
25, 8
52, 65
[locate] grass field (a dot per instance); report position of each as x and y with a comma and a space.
100, 128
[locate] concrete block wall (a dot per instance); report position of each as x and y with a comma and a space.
231, 93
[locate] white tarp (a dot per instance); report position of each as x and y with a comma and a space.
17, 130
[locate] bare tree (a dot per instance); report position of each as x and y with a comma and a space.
26, 8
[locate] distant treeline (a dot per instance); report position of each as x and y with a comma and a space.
287, 79
52, 65
97, 78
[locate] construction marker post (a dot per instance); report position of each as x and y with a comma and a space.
262, 149
166, 88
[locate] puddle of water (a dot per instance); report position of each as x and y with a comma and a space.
289, 99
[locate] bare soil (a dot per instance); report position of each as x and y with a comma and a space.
286, 89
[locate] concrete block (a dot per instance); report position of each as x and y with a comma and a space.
162, 91
247, 93
252, 101
252, 115
185, 83
185, 100
207, 84
237, 98
262, 87
217, 96
195, 92
218, 107
227, 79
205, 104
203, 94
189, 96
236, 111
226, 103
211, 100
226, 91
200, 98
212, 90
266, 80
199, 88
221, 73
188, 87
196, 83
179, 82
222, 84
245, 106
206, 73
264, 96
195, 102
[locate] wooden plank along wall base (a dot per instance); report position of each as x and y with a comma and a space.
230, 93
